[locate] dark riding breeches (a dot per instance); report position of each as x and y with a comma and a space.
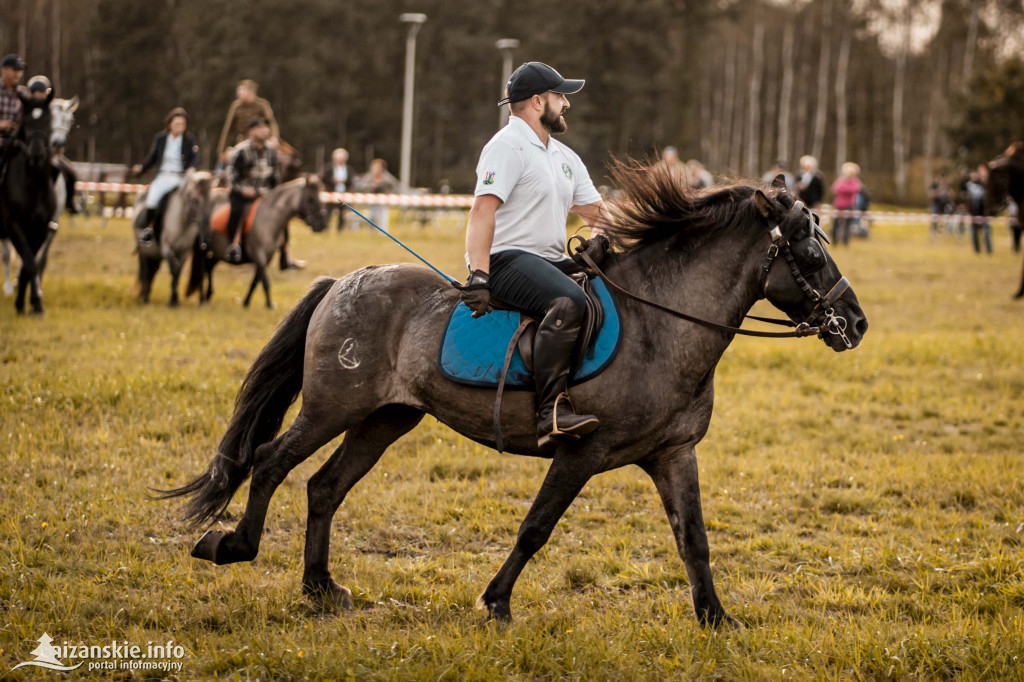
527, 282
239, 205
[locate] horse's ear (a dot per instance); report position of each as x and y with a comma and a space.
73, 104
779, 182
766, 207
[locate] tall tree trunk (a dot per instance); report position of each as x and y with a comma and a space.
754, 103
899, 142
736, 145
803, 94
786, 96
729, 100
824, 64
706, 118
934, 114
55, 27
970, 45
842, 67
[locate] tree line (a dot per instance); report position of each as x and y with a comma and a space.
901, 87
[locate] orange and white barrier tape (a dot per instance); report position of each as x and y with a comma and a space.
466, 201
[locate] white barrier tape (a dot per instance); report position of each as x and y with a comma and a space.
466, 201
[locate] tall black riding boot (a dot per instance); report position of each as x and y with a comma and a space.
148, 235
552, 357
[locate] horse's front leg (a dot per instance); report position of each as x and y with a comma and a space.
252, 285
569, 472
175, 264
675, 475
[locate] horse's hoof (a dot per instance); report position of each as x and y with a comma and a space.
329, 595
271, 306
496, 611
8, 288
173, 303
207, 546
36, 312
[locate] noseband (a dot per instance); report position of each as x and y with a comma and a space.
824, 305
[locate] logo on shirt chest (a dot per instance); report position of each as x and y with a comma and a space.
489, 178
567, 170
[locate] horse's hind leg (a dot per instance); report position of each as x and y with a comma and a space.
8, 282
675, 475
274, 460
358, 453
569, 472
1020, 292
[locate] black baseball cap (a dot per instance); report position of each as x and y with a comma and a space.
536, 78
258, 121
13, 61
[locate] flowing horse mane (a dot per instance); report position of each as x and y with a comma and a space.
657, 206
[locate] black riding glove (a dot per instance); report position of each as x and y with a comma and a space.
595, 247
476, 293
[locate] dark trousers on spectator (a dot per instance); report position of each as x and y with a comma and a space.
986, 228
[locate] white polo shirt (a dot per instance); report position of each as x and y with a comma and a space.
537, 185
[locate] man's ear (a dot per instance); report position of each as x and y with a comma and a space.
767, 207
779, 182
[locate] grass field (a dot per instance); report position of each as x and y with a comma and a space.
865, 510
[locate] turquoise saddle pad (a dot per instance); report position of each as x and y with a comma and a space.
473, 350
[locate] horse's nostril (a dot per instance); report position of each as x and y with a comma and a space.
861, 326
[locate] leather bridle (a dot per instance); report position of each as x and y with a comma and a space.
822, 318
824, 305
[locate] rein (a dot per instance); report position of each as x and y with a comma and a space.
823, 312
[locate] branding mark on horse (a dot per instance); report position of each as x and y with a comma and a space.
345, 356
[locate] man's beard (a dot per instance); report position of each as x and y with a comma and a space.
552, 121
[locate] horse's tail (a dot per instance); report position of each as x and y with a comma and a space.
196, 271
271, 386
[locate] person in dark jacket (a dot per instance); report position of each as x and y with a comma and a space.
811, 184
173, 152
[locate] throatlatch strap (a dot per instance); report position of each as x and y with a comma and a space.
525, 322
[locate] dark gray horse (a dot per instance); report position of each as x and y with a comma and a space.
300, 197
27, 200
183, 212
369, 343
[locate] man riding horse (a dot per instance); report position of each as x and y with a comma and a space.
527, 183
11, 70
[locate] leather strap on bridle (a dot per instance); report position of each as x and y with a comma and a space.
801, 330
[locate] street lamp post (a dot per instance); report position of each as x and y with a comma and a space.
414, 21
506, 45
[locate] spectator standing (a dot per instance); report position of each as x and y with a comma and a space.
246, 107
811, 185
338, 177
377, 180
670, 160
779, 166
940, 203
974, 197
697, 175
846, 189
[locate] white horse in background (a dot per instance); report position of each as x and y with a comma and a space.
62, 114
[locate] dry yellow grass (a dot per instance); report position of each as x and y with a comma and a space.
864, 509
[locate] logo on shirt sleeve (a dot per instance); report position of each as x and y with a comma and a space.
567, 170
489, 178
